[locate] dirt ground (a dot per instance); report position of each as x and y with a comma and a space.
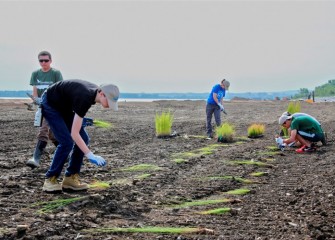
294, 200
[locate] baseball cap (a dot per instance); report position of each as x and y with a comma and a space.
112, 93
226, 84
283, 118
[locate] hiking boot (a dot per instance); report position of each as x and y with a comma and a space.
305, 149
51, 185
72, 183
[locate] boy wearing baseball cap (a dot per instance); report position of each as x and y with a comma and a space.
64, 105
304, 129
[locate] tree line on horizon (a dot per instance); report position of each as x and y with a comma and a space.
325, 90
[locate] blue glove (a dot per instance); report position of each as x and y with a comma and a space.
87, 122
95, 159
37, 100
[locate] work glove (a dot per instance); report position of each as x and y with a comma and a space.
95, 159
37, 100
279, 140
87, 122
280, 143
222, 108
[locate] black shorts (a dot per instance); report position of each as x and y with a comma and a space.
312, 137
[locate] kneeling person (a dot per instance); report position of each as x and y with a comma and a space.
304, 129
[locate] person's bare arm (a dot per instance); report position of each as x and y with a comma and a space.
35, 94
76, 126
292, 137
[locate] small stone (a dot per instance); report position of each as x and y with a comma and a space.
21, 228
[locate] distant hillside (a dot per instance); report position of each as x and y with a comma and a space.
326, 90
202, 96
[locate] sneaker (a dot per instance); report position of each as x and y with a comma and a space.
51, 185
32, 163
209, 136
310, 149
304, 149
72, 183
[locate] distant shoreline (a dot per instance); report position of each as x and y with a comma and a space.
26, 99
17, 100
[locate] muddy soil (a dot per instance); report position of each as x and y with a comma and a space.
294, 200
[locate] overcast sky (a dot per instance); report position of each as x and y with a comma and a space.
171, 46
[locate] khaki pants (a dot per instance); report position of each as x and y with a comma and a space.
44, 133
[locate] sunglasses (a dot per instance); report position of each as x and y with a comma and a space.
284, 123
44, 60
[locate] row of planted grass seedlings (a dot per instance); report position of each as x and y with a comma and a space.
163, 123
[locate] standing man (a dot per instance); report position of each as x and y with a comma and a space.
214, 105
41, 79
64, 105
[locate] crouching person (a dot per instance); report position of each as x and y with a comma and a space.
304, 129
64, 105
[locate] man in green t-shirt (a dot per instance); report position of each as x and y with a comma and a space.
304, 129
41, 79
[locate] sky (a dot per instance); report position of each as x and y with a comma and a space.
171, 46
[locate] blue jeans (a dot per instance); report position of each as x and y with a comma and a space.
210, 109
61, 127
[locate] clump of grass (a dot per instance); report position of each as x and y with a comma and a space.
273, 148
163, 124
185, 156
141, 167
121, 181
241, 191
99, 185
256, 130
159, 230
294, 107
180, 160
143, 176
55, 204
269, 153
259, 174
225, 132
249, 162
238, 179
102, 124
216, 211
202, 202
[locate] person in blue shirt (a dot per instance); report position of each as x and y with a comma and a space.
214, 105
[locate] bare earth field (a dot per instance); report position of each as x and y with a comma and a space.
293, 200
